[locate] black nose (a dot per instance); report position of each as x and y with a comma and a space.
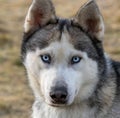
58, 95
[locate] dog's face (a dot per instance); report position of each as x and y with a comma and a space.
61, 57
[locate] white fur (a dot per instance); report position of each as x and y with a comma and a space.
80, 79
42, 110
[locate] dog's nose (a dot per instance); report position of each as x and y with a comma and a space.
58, 95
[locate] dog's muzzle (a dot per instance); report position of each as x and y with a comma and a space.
59, 95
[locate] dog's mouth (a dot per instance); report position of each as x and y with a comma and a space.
57, 104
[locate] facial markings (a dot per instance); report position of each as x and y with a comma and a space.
62, 52
71, 35
60, 69
82, 42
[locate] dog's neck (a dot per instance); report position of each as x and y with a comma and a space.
42, 110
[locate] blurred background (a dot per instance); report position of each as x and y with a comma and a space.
16, 97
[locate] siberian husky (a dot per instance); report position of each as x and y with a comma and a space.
68, 70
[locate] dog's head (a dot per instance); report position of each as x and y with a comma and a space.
63, 58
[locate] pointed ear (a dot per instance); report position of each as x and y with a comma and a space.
90, 19
39, 13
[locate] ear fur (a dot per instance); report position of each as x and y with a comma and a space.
90, 19
39, 13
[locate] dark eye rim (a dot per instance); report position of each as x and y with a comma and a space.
49, 61
72, 62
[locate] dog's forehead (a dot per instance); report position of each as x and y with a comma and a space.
56, 32
51, 33
61, 45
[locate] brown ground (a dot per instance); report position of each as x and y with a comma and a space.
15, 95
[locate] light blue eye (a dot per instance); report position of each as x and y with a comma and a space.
46, 58
75, 59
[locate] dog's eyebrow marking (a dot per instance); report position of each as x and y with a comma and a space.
39, 37
96, 43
